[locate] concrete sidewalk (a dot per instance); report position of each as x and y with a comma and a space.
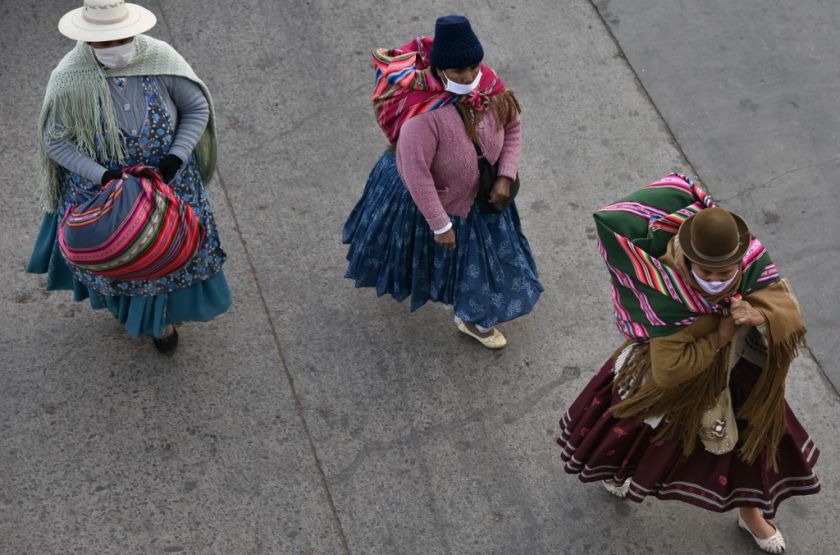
313, 417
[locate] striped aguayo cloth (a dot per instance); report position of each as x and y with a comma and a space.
650, 298
135, 228
405, 86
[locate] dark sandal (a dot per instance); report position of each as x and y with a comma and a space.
167, 345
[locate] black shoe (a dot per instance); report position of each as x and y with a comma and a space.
167, 345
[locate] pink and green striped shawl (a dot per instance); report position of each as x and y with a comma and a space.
650, 298
405, 86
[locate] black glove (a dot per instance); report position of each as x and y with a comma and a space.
109, 176
168, 167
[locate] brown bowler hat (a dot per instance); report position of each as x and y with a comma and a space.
714, 238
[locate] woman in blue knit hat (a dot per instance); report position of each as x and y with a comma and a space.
424, 228
118, 99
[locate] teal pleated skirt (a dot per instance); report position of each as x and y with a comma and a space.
140, 316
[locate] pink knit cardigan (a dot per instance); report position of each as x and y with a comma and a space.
437, 160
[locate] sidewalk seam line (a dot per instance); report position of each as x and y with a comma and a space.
289, 378
681, 151
273, 328
643, 89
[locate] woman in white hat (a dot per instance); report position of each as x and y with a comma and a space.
120, 99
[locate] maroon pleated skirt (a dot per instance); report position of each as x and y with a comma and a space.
598, 446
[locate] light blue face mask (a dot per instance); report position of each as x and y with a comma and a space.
713, 287
460, 89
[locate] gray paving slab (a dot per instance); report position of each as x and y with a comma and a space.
749, 89
429, 444
107, 447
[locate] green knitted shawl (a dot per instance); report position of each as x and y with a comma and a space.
78, 92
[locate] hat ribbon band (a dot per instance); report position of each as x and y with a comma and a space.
717, 258
106, 21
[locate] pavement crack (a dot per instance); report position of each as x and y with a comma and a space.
296, 125
414, 437
506, 413
775, 178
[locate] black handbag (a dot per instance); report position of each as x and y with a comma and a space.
487, 174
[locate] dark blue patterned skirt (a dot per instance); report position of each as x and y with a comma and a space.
489, 278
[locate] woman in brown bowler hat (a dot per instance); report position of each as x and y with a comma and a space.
639, 424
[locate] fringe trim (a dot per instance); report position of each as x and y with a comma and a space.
764, 409
635, 370
78, 91
684, 404
88, 122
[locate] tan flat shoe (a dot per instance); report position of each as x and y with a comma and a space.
493, 341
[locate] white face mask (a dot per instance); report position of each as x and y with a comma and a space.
116, 57
713, 287
458, 88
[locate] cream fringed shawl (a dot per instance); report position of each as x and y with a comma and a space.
78, 93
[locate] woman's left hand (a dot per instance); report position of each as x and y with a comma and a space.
500, 191
745, 315
168, 167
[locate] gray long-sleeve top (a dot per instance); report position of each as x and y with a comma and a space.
184, 100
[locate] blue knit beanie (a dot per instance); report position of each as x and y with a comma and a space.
455, 44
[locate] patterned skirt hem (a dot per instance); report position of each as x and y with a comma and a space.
691, 492
596, 445
489, 278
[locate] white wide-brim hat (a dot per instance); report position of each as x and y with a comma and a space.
106, 20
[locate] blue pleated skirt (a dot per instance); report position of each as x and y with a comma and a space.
141, 316
489, 278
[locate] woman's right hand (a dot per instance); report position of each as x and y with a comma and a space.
726, 330
446, 239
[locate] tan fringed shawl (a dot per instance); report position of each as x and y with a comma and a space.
686, 371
